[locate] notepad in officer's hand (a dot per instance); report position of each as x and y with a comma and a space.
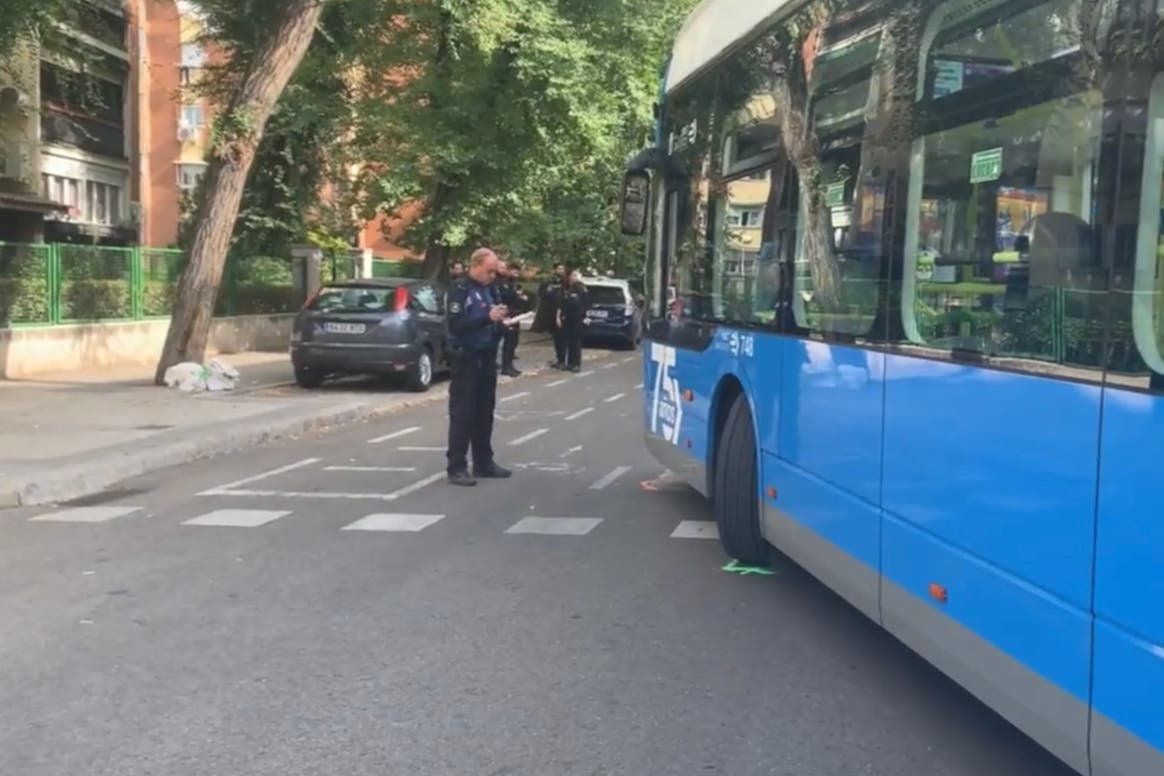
519, 319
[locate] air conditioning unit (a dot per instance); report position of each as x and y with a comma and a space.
186, 133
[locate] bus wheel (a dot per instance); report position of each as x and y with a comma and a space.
736, 499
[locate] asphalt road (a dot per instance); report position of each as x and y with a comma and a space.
479, 641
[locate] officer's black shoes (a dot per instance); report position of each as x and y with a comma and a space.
461, 479
492, 472
557, 365
575, 369
511, 372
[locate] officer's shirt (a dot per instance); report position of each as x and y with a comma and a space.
468, 316
575, 302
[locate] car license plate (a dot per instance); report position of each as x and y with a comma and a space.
598, 314
344, 328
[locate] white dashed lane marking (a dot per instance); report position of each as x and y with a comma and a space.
515, 397
696, 529
370, 469
229, 488
529, 437
615, 398
395, 523
394, 435
555, 526
237, 518
85, 515
580, 413
556, 383
421, 449
610, 479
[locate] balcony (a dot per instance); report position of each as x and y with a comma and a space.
84, 133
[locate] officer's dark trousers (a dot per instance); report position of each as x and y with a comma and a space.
472, 398
572, 334
560, 349
509, 346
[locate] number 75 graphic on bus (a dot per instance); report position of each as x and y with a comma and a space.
666, 407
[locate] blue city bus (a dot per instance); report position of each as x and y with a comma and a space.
906, 327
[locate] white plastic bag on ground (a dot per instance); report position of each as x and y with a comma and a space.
187, 377
221, 376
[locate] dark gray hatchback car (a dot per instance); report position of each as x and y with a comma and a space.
387, 326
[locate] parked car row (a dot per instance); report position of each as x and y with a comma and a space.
396, 327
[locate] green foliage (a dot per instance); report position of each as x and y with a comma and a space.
515, 129
509, 120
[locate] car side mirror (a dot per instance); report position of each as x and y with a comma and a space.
636, 189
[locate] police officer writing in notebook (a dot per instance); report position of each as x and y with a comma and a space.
515, 302
476, 325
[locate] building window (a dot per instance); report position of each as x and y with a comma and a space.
193, 57
190, 175
192, 117
63, 191
193, 60
746, 218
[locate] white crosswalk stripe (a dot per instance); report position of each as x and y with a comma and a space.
555, 526
395, 523
696, 529
237, 518
85, 515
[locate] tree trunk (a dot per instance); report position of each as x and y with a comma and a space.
436, 253
803, 147
885, 156
242, 126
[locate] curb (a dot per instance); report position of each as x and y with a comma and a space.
79, 480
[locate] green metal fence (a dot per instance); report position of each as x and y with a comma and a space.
396, 269
44, 285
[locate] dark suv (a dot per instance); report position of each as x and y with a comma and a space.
614, 314
387, 326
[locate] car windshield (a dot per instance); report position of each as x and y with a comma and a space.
607, 295
366, 299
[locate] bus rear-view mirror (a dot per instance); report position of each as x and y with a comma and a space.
636, 189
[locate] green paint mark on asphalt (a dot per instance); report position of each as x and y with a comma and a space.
735, 567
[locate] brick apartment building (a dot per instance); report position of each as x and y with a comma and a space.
101, 146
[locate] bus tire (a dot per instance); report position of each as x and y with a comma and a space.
736, 492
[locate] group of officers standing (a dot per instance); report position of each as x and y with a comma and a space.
483, 304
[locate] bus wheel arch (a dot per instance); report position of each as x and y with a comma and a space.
735, 472
729, 389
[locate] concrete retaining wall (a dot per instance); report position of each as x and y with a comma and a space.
28, 352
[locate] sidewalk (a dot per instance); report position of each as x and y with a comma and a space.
67, 436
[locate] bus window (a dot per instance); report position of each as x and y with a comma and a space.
687, 263
838, 264
1146, 303
742, 254
1002, 254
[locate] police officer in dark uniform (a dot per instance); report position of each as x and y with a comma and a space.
550, 300
516, 303
475, 321
575, 303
